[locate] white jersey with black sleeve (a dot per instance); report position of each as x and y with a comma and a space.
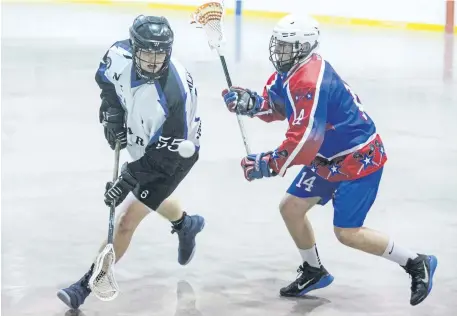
159, 115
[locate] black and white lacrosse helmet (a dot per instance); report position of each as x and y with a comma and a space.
294, 38
151, 38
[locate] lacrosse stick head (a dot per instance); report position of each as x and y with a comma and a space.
102, 282
209, 16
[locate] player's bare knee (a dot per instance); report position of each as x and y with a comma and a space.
287, 206
346, 236
130, 217
125, 224
292, 206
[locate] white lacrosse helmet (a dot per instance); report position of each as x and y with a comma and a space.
294, 38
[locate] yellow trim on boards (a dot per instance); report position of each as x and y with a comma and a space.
258, 14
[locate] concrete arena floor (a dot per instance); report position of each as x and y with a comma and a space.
55, 164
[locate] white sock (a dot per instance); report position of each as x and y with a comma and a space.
311, 256
398, 254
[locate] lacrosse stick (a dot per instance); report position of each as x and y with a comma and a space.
102, 282
209, 17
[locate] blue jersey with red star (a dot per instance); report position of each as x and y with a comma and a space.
328, 128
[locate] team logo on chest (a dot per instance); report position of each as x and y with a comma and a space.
138, 140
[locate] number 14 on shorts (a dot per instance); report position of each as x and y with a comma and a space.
306, 182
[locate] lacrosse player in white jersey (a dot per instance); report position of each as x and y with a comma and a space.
149, 105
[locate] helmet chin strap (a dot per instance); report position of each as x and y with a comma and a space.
308, 53
150, 76
307, 56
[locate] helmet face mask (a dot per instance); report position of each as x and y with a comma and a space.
281, 52
285, 55
150, 64
152, 41
293, 40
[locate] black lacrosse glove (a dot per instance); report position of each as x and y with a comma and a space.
113, 120
118, 190
242, 101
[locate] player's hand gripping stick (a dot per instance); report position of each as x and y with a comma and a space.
242, 101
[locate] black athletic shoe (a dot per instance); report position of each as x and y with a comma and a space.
308, 279
75, 295
191, 226
421, 271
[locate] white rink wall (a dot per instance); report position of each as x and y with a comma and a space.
417, 11
411, 11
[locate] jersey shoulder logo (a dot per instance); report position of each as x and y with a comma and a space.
108, 62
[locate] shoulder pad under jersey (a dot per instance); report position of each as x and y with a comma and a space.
118, 57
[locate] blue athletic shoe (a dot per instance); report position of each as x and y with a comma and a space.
421, 270
75, 295
308, 279
190, 227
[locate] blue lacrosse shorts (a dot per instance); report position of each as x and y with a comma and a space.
351, 199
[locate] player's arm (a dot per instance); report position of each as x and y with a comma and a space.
111, 113
304, 136
269, 107
193, 121
108, 91
273, 107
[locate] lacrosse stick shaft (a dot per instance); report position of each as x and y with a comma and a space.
226, 72
117, 150
209, 16
240, 122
